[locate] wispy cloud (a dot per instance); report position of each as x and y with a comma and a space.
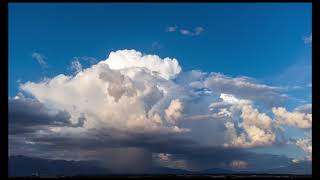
156, 45
76, 66
309, 85
308, 39
187, 32
198, 30
90, 60
41, 59
301, 71
172, 28
79, 63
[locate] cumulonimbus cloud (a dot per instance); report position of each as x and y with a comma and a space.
119, 92
131, 95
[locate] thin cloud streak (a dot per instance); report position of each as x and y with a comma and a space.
41, 59
186, 32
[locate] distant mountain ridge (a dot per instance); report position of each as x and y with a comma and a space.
304, 167
216, 171
26, 166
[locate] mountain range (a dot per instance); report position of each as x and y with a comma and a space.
19, 166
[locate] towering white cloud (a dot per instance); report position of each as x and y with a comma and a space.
306, 145
121, 92
256, 129
174, 111
131, 94
166, 68
135, 92
294, 119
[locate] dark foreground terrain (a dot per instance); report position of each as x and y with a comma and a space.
22, 166
181, 176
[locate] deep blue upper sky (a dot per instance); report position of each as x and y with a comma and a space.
258, 40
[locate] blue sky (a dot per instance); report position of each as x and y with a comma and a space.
256, 40
264, 41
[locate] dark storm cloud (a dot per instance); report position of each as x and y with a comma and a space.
105, 143
30, 134
29, 115
111, 138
